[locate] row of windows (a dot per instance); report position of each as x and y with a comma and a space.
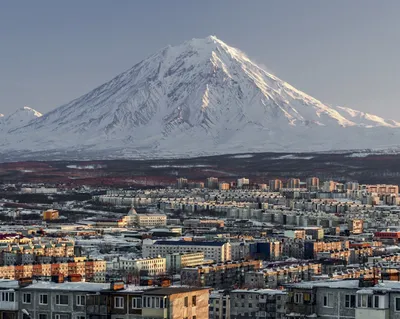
62, 300
59, 316
149, 302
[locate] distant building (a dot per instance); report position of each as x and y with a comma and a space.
151, 220
182, 183
212, 183
275, 185
222, 275
217, 251
293, 183
242, 181
144, 266
181, 260
51, 214
224, 186
312, 184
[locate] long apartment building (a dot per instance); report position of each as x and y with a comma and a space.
217, 251
223, 275
90, 270
175, 262
145, 266
78, 300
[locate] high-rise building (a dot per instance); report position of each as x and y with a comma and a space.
212, 183
224, 186
352, 186
312, 184
242, 181
329, 186
181, 182
275, 185
293, 183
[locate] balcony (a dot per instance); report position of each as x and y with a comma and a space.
6, 305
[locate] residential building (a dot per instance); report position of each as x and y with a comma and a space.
275, 185
50, 214
148, 302
217, 251
312, 184
212, 183
258, 304
293, 183
220, 305
242, 182
181, 183
175, 262
143, 266
223, 275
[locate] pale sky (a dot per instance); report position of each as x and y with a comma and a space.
341, 52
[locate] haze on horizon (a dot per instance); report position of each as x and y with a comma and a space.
341, 52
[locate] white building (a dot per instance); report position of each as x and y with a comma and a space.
151, 220
242, 181
150, 266
217, 251
180, 260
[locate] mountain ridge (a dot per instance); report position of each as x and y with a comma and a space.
200, 97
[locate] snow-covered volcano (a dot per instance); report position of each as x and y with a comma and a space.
202, 97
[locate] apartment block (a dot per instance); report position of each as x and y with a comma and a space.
217, 251
175, 262
144, 266
223, 275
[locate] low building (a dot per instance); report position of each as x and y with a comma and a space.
151, 220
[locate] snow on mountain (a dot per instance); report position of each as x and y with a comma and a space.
202, 97
366, 119
18, 119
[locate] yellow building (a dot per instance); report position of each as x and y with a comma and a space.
50, 214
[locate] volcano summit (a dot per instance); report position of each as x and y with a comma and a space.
199, 98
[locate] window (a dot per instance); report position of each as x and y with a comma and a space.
376, 301
61, 316
350, 301
194, 317
136, 303
328, 300
7, 296
42, 300
186, 301
42, 316
62, 300
250, 305
26, 298
194, 300
119, 302
364, 301
298, 298
80, 300
397, 304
